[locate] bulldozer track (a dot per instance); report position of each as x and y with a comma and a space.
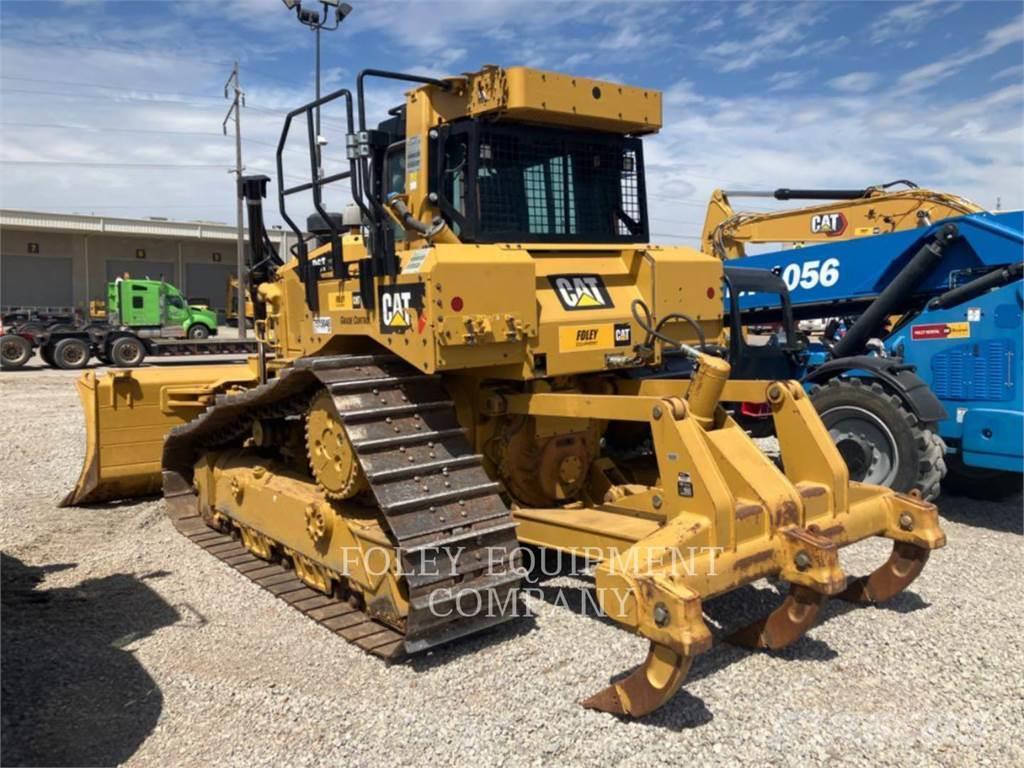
452, 531
336, 615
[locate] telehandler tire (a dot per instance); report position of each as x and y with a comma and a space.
15, 351
71, 354
882, 442
127, 352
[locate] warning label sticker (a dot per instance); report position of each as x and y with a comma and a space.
939, 331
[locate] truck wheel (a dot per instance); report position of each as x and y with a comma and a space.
881, 441
71, 354
980, 482
127, 352
15, 351
199, 331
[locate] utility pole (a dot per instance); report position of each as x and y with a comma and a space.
238, 101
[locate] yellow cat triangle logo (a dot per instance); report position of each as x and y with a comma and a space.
399, 320
586, 300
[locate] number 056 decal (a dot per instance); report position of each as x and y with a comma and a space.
811, 274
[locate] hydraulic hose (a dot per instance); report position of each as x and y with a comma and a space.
645, 321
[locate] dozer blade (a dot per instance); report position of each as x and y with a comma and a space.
128, 413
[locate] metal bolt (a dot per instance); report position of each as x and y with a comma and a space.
656, 501
907, 521
802, 560
656, 413
774, 392
661, 615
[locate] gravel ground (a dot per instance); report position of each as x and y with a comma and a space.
123, 642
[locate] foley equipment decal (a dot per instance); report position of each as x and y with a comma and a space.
581, 292
939, 331
580, 338
396, 303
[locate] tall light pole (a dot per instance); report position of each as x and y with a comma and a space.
316, 21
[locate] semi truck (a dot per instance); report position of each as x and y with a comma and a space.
144, 318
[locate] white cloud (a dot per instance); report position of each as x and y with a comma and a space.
774, 32
854, 82
907, 19
995, 40
786, 81
1015, 71
682, 92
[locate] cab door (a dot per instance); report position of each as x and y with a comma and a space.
175, 313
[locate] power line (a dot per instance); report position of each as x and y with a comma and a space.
679, 200
155, 131
84, 164
138, 99
677, 237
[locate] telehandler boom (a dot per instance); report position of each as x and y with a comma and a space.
476, 364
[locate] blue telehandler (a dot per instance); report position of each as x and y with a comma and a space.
917, 373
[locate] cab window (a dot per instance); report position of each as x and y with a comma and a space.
176, 301
394, 169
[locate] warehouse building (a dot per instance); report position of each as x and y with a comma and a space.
66, 260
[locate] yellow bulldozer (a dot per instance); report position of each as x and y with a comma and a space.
494, 356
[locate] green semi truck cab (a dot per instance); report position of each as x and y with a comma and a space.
157, 308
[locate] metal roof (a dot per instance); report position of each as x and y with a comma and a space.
118, 225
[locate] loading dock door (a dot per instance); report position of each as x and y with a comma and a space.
36, 281
209, 282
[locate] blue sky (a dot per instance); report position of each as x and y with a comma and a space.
116, 107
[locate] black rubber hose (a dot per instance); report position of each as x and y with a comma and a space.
655, 332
